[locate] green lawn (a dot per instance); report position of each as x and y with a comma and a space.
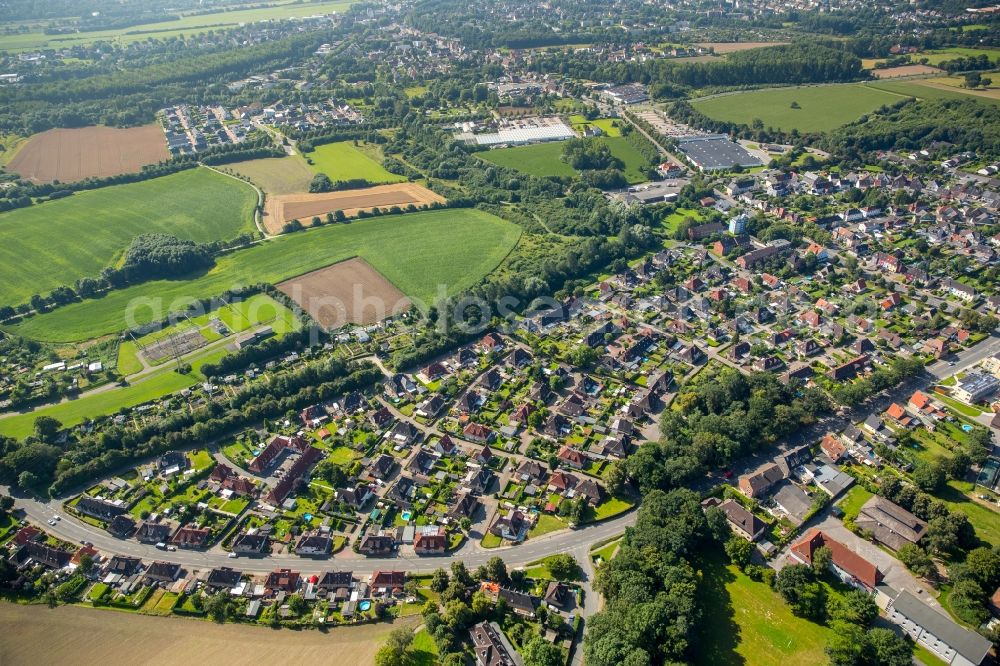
546, 523
747, 623
985, 520
823, 108
55, 243
605, 552
345, 161
417, 252
853, 501
186, 25
674, 219
276, 175
544, 159
423, 650
540, 159
610, 507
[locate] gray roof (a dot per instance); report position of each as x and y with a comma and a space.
967, 643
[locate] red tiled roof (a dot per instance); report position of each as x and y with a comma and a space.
842, 556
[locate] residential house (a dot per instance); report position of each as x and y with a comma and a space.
850, 567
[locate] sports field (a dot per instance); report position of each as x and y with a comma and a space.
70, 155
416, 252
55, 243
345, 161
823, 108
186, 25
276, 175
544, 159
747, 623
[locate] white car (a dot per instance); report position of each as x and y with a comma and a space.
233, 555
52, 521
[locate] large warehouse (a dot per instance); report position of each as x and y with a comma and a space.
715, 151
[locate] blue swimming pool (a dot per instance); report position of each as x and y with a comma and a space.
406, 515
364, 605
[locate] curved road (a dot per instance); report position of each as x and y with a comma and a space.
70, 529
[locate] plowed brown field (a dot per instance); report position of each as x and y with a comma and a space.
282, 208
69, 155
347, 292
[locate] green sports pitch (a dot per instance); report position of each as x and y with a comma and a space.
53, 244
820, 108
420, 253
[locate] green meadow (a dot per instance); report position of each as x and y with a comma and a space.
416, 252
545, 159
55, 243
822, 108
345, 161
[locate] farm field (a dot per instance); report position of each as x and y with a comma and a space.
86, 636
55, 243
70, 155
937, 57
283, 208
276, 175
721, 48
416, 252
904, 70
349, 291
345, 161
747, 623
544, 159
186, 25
930, 89
10, 145
823, 108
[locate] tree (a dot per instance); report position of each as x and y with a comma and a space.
969, 602
889, 648
930, 477
46, 428
86, 564
218, 606
739, 550
563, 566
821, 559
855, 607
983, 566
539, 652
439, 581
297, 605
496, 570
797, 584
973, 79
917, 560
718, 525
848, 645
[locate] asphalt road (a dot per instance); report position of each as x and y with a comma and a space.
472, 554
576, 542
